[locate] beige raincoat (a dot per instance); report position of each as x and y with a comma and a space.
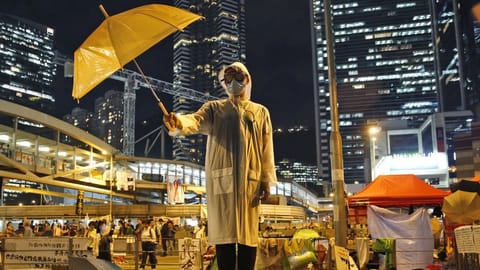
239, 156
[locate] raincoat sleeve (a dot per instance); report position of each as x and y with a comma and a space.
268, 160
197, 122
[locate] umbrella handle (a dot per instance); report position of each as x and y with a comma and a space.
103, 11
162, 107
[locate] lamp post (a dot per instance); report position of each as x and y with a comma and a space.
111, 189
336, 158
372, 157
373, 131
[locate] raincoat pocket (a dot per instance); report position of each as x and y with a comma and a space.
222, 181
253, 188
253, 183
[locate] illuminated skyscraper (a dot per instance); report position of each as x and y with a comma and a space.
457, 49
108, 118
80, 118
27, 67
27, 71
198, 53
384, 61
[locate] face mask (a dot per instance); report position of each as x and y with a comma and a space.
235, 88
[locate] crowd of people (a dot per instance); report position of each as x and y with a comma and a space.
154, 236
28, 229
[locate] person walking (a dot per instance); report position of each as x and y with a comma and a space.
158, 231
239, 165
138, 236
104, 245
199, 230
91, 235
28, 232
168, 236
149, 238
199, 233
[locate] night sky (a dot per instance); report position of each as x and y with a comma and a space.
278, 50
278, 53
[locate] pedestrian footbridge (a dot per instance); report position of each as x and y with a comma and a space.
48, 165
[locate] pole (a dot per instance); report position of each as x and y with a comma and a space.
111, 189
339, 213
372, 157
373, 133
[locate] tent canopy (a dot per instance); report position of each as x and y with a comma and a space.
397, 191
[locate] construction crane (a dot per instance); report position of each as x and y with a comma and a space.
132, 82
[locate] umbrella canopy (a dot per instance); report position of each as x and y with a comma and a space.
462, 207
120, 39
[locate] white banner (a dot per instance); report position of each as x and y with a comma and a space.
468, 239
125, 180
412, 233
42, 250
189, 254
175, 190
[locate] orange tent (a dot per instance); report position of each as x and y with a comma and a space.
476, 178
401, 190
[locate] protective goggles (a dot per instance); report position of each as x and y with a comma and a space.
232, 73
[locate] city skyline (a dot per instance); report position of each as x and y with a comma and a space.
385, 72
283, 86
280, 64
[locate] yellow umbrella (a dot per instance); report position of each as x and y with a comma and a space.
120, 39
462, 207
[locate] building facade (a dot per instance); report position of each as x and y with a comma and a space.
198, 54
457, 52
80, 118
27, 72
106, 122
108, 118
384, 62
27, 63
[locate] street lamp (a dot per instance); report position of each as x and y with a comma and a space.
373, 131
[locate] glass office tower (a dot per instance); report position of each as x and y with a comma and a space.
27, 72
384, 61
27, 67
198, 53
457, 39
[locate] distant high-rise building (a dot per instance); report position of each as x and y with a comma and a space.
80, 118
198, 54
27, 67
384, 62
304, 174
457, 50
108, 118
